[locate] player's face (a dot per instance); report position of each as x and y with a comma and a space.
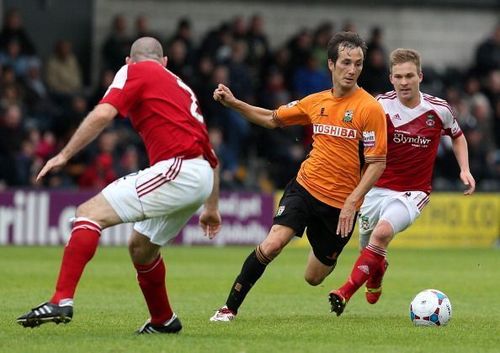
406, 80
346, 70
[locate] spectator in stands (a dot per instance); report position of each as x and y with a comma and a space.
349, 26
203, 86
274, 92
101, 170
24, 161
178, 61
105, 80
482, 112
63, 72
375, 75
238, 28
11, 89
142, 27
281, 61
240, 75
322, 35
224, 42
13, 57
12, 133
45, 147
116, 45
184, 33
67, 122
478, 153
130, 161
227, 158
310, 77
491, 87
300, 47
39, 106
488, 53
13, 30
376, 42
258, 43
494, 91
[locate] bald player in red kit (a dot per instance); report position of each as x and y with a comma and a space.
159, 200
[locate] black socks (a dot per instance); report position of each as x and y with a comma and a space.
252, 270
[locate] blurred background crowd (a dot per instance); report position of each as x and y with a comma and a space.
43, 100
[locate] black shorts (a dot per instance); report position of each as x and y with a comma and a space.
299, 210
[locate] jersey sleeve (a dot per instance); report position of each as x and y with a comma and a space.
293, 113
450, 124
124, 91
375, 134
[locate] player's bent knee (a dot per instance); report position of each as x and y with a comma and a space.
272, 248
383, 229
313, 280
383, 233
83, 211
141, 250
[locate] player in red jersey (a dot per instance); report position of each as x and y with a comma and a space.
415, 123
159, 200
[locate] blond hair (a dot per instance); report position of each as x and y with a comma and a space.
400, 56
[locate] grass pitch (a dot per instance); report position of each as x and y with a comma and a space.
281, 314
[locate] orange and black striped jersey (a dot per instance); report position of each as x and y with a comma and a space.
346, 130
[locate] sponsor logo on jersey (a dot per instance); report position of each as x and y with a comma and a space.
430, 120
280, 211
416, 141
348, 116
369, 138
333, 130
322, 113
291, 104
396, 117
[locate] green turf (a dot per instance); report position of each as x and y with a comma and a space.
281, 314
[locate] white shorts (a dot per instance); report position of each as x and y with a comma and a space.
162, 198
398, 208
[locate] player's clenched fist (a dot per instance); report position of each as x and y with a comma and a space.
224, 95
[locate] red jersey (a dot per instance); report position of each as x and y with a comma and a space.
163, 110
413, 137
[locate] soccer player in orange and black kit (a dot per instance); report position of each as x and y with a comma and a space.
349, 127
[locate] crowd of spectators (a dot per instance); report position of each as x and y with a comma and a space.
43, 100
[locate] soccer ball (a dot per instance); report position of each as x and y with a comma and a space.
430, 307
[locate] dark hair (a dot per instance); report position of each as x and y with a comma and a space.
343, 40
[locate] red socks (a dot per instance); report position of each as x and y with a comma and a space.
371, 258
151, 279
80, 249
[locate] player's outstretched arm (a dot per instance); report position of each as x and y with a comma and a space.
210, 220
256, 115
88, 130
462, 155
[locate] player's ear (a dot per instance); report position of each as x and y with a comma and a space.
331, 65
164, 61
128, 60
420, 76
